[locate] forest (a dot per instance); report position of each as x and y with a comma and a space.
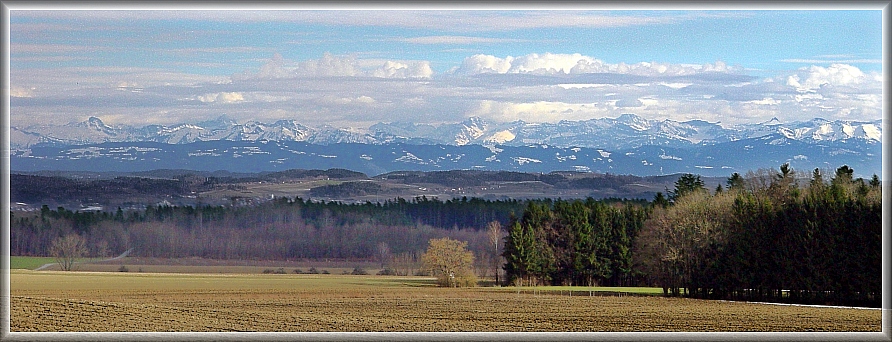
764, 237
772, 235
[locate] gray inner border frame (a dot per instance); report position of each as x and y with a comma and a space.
7, 5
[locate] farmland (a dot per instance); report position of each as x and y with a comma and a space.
29, 263
117, 301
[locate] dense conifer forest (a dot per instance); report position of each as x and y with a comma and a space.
764, 237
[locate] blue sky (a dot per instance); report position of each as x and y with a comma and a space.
352, 68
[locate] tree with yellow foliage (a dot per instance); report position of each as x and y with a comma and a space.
451, 262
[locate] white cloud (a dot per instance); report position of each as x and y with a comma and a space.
675, 85
350, 90
554, 64
815, 77
581, 85
99, 79
765, 101
549, 63
629, 103
481, 64
332, 66
21, 91
328, 65
330, 100
222, 97
392, 69
365, 99
539, 111
277, 67
845, 61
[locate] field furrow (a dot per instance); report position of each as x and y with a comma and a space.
83, 301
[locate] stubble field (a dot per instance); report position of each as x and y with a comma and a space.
107, 301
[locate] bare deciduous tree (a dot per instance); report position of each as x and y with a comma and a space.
67, 249
382, 251
495, 235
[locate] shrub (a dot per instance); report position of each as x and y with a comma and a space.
465, 279
123, 269
325, 272
387, 271
359, 271
312, 270
298, 271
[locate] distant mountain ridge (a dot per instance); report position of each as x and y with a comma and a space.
720, 159
624, 132
627, 144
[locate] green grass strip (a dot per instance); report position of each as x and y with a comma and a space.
30, 263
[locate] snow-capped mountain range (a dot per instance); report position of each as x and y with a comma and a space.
625, 145
625, 132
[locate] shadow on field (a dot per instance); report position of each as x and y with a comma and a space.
402, 282
416, 282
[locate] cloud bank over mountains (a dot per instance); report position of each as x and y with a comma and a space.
552, 64
332, 66
351, 68
349, 91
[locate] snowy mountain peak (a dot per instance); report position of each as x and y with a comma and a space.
786, 132
221, 121
634, 121
624, 132
500, 137
95, 122
472, 129
872, 132
773, 122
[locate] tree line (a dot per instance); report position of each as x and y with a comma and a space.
767, 236
770, 238
284, 228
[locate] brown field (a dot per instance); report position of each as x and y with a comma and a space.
201, 265
114, 301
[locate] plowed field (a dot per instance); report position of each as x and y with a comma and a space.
86, 301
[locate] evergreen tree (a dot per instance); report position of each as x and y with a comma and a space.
875, 181
686, 184
518, 253
660, 200
735, 182
817, 180
843, 176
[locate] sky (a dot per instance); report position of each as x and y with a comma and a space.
351, 68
